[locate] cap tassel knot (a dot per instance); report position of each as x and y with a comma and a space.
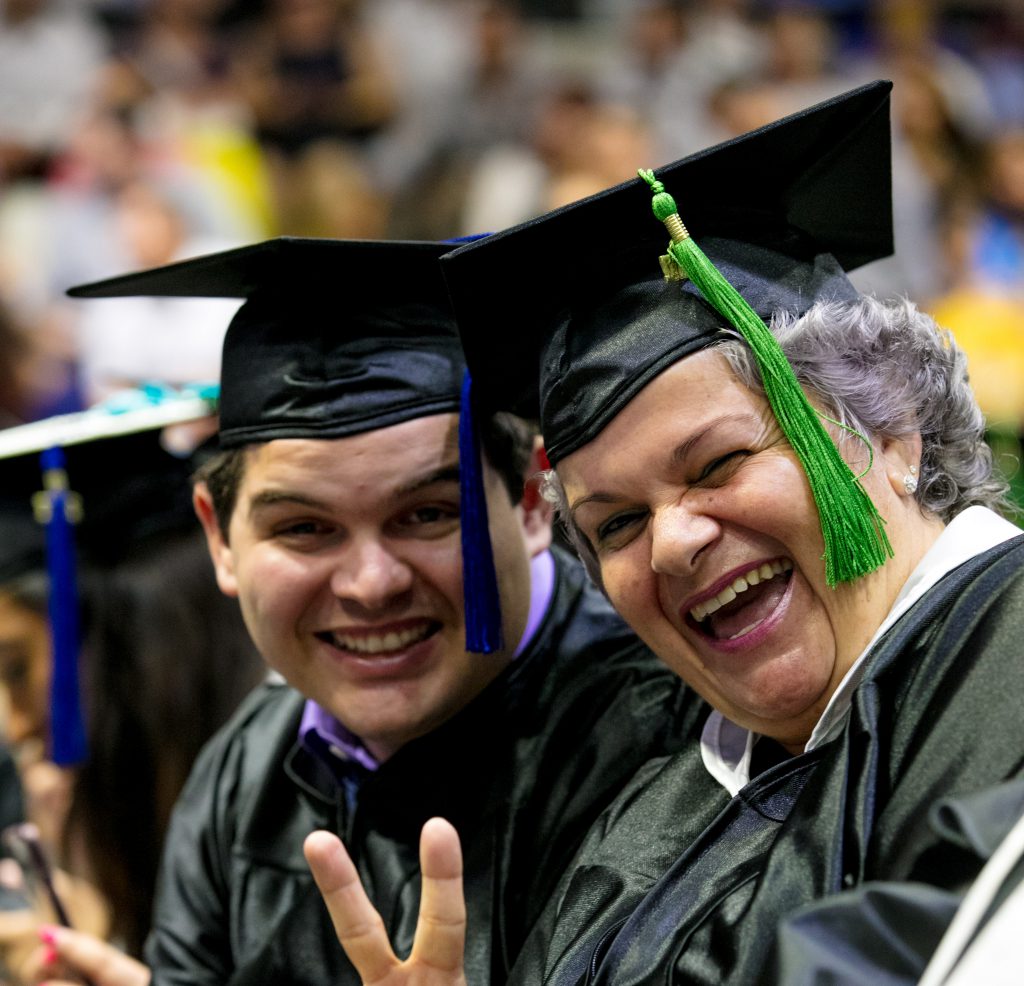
854, 533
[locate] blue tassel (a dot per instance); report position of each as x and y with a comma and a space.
479, 581
67, 728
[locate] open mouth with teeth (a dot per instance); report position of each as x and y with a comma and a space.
745, 603
384, 644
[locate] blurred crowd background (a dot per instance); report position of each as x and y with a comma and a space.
136, 132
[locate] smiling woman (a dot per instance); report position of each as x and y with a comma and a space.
800, 520
889, 373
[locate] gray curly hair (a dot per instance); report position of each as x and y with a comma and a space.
886, 370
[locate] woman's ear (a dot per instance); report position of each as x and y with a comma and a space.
902, 461
536, 513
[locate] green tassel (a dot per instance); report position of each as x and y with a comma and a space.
854, 533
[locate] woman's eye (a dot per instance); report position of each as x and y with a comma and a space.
614, 529
718, 467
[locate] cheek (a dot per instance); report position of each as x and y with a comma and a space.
437, 568
776, 499
630, 584
273, 584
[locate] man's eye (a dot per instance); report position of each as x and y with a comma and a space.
716, 468
430, 518
300, 529
432, 514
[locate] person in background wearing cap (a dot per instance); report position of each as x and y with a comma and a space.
800, 521
332, 513
163, 656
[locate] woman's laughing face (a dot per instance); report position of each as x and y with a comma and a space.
709, 544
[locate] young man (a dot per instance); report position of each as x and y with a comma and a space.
333, 514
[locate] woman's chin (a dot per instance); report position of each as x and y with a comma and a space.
787, 706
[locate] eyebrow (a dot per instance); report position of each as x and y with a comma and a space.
591, 498
443, 474
270, 498
679, 455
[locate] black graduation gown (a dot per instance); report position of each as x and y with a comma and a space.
522, 772
937, 713
885, 933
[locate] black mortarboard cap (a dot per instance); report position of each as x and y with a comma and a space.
336, 337
129, 487
22, 548
109, 493
568, 316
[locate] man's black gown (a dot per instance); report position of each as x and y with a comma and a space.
939, 713
522, 773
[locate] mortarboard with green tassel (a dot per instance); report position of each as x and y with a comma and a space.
567, 317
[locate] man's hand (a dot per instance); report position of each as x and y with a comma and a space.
437, 950
80, 955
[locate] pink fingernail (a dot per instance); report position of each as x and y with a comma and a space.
47, 934
50, 956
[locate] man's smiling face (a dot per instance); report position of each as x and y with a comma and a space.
345, 556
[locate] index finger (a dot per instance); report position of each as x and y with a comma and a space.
357, 924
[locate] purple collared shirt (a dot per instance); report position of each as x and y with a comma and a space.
325, 737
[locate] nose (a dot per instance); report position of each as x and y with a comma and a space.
679, 534
371, 575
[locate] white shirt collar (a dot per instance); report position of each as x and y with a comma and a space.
726, 747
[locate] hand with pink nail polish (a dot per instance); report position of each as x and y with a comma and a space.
77, 955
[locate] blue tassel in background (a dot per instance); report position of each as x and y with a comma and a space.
67, 728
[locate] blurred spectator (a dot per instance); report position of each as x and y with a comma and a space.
115, 203
936, 163
490, 126
428, 48
997, 247
50, 55
580, 146
984, 307
678, 55
310, 73
804, 62
15, 354
910, 30
165, 659
997, 55
173, 72
125, 342
176, 50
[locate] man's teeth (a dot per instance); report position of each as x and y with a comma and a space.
379, 643
758, 574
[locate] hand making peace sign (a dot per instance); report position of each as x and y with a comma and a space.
437, 951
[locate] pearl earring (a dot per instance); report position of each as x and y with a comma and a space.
910, 481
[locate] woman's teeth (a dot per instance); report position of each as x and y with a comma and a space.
757, 575
379, 643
